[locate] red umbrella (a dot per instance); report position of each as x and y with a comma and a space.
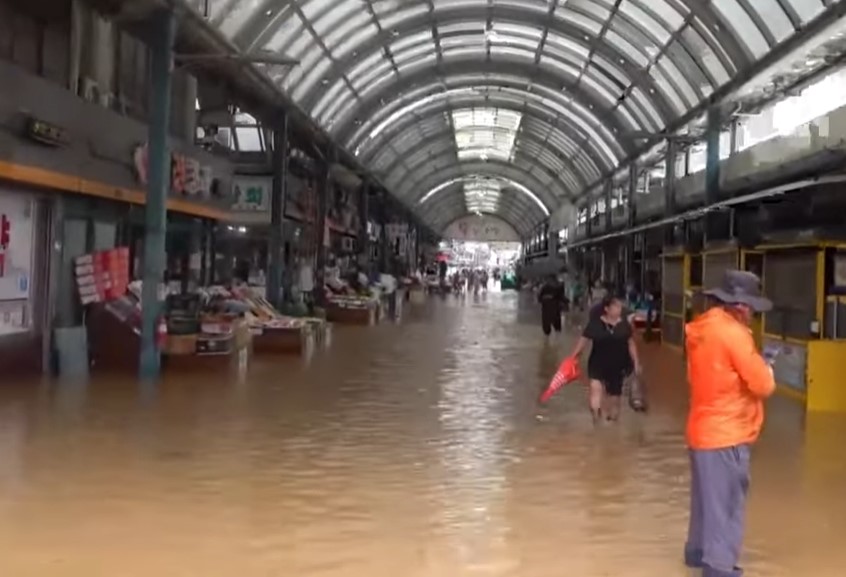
567, 373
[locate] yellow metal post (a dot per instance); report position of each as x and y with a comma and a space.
758, 322
820, 308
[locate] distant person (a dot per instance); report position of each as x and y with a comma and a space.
598, 292
552, 300
613, 357
729, 379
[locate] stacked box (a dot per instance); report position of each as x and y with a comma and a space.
102, 276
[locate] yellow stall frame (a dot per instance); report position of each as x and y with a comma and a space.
675, 277
810, 368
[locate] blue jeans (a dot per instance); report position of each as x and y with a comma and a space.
719, 483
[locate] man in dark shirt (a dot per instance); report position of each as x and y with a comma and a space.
552, 300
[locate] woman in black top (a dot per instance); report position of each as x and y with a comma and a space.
613, 356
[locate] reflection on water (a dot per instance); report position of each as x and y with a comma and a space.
416, 449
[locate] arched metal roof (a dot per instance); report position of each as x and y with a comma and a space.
542, 93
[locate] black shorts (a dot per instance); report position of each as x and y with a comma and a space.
612, 381
549, 322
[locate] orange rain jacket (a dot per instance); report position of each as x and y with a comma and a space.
728, 381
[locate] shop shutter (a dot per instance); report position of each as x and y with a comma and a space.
716, 264
790, 281
672, 287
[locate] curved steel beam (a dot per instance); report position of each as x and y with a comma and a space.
425, 178
454, 208
493, 215
450, 204
376, 99
510, 14
546, 160
549, 101
605, 116
259, 30
521, 194
578, 140
448, 137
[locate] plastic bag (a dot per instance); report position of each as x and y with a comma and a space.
567, 372
637, 394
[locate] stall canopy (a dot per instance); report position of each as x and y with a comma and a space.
507, 107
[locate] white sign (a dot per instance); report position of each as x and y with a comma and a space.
188, 176
485, 228
251, 194
16, 231
15, 246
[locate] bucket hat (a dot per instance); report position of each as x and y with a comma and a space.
741, 288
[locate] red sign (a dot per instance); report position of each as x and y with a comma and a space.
102, 276
187, 176
5, 235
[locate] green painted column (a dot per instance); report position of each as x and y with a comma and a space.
277, 211
162, 36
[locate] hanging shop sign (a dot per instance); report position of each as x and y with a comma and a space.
46, 133
188, 177
16, 231
251, 194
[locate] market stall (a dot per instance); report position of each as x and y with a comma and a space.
190, 337
276, 333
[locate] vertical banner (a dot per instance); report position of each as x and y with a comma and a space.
16, 255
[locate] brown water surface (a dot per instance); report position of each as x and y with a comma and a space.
415, 450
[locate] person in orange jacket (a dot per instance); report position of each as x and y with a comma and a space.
729, 380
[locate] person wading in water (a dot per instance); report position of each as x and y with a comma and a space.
553, 301
613, 356
729, 379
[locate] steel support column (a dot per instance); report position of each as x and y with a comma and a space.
670, 177
712, 156
324, 189
609, 187
207, 256
631, 218
364, 219
631, 200
734, 140
384, 259
278, 194
589, 220
155, 220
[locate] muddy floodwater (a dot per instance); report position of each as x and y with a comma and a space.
412, 450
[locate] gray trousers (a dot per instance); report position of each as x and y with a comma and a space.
719, 483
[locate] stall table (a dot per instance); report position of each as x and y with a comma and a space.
298, 340
211, 353
352, 311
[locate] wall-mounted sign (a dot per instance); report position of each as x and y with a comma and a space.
188, 177
251, 193
46, 133
485, 228
15, 261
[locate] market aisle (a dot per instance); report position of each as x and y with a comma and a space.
414, 450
